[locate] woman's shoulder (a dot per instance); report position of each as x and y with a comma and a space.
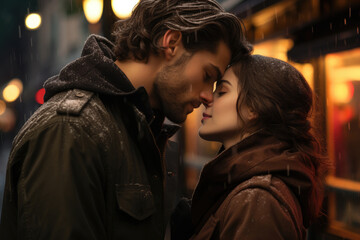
262, 188
261, 203
258, 188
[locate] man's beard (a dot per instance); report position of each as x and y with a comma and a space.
170, 88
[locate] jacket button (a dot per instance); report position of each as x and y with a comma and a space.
79, 94
156, 176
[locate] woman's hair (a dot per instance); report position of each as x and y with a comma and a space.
283, 101
203, 24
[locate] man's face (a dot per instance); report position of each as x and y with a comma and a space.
188, 81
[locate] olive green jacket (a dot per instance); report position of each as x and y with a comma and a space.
89, 163
80, 170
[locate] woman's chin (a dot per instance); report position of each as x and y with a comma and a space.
208, 136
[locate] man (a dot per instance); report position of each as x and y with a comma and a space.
88, 164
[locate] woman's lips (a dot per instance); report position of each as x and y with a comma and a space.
205, 116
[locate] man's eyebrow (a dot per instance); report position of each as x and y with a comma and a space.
218, 72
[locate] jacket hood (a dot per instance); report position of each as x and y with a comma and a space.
259, 154
94, 71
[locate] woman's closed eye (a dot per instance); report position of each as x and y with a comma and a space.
219, 91
222, 87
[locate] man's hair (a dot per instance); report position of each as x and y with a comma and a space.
203, 24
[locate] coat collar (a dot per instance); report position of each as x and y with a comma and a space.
258, 154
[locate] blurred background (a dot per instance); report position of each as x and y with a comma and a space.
319, 37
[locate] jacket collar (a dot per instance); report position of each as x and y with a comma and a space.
259, 154
96, 71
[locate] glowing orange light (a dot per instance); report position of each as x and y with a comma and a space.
345, 114
39, 96
7, 120
2, 107
342, 92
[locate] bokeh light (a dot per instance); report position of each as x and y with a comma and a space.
11, 93
123, 8
342, 92
13, 90
39, 96
33, 21
18, 83
2, 107
7, 120
93, 10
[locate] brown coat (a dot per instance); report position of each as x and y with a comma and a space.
258, 189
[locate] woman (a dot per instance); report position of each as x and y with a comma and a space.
267, 182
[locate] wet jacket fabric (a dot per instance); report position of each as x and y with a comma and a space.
257, 189
89, 163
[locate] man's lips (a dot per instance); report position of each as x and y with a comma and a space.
196, 104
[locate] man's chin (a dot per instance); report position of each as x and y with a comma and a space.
178, 119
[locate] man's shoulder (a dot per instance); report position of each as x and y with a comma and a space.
68, 106
78, 107
73, 102
84, 107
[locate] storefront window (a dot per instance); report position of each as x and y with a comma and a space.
343, 107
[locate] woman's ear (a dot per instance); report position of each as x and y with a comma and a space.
171, 43
252, 114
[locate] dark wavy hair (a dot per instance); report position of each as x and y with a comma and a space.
284, 102
203, 24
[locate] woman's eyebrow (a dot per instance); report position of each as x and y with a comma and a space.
221, 81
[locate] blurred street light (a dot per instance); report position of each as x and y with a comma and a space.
39, 96
33, 21
2, 107
11, 93
93, 10
7, 120
342, 93
123, 8
13, 90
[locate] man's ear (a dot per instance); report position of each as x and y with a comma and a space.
171, 43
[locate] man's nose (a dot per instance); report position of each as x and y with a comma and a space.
206, 97
207, 105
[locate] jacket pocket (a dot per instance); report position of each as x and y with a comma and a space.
136, 200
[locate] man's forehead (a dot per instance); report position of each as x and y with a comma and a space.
217, 70
223, 54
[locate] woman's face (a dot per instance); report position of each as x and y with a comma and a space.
220, 121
